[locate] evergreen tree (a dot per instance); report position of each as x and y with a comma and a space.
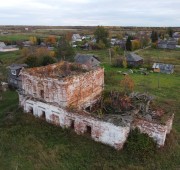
170, 32
46, 60
38, 41
32, 61
154, 36
129, 44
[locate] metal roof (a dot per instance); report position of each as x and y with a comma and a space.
133, 57
17, 66
87, 59
163, 66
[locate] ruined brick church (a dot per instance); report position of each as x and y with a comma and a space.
62, 94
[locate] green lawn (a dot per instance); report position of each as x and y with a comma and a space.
29, 143
8, 58
165, 56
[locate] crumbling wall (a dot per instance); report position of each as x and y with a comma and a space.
76, 90
156, 131
110, 134
84, 88
169, 124
95, 128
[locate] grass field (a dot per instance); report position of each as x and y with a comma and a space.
21, 36
8, 58
14, 37
29, 143
164, 56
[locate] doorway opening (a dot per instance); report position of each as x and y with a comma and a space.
31, 110
43, 115
88, 130
72, 124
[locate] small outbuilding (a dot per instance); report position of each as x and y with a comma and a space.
167, 44
163, 68
89, 60
5, 48
134, 59
14, 75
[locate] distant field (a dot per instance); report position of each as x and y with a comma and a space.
14, 37
21, 37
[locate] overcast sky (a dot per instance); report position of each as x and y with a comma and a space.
90, 12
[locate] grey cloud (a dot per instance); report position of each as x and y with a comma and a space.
92, 12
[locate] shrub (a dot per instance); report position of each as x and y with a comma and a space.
118, 62
154, 45
101, 45
47, 60
140, 146
32, 61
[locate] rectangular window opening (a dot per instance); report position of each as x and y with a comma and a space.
88, 109
72, 124
42, 94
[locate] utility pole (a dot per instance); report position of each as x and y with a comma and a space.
125, 52
110, 55
158, 75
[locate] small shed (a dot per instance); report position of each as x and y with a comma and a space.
162, 44
89, 60
163, 68
171, 44
134, 59
167, 44
2, 45
14, 76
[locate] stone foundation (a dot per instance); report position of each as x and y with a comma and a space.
98, 130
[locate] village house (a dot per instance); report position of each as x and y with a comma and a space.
121, 43
2, 45
76, 38
163, 68
167, 44
14, 75
4, 48
176, 36
63, 94
113, 41
27, 43
86, 37
89, 60
133, 59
